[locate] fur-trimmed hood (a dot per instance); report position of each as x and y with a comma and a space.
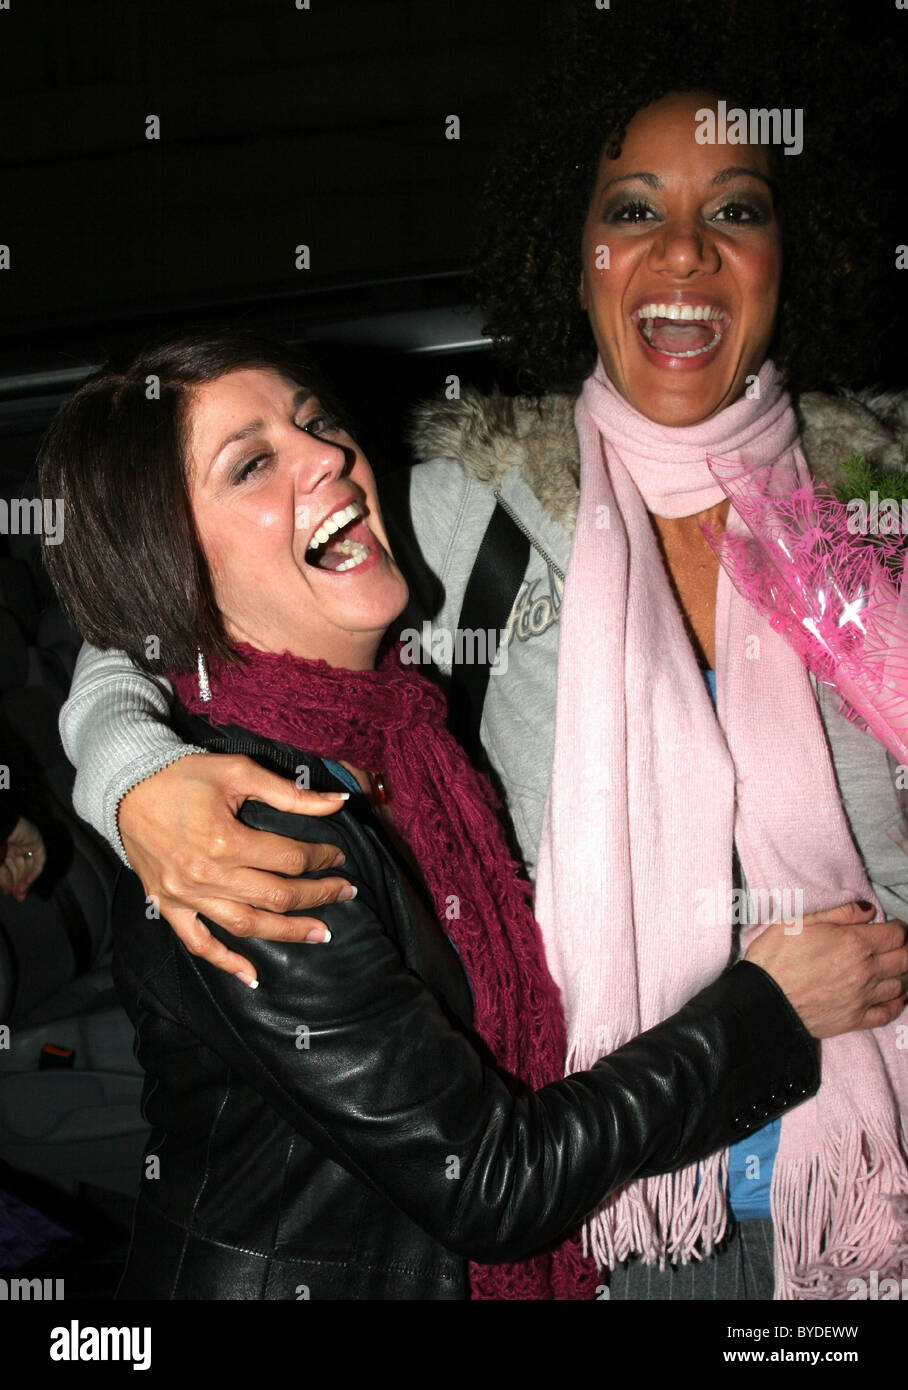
488, 435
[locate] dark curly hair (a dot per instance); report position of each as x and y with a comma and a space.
753, 53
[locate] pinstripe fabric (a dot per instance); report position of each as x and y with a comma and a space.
743, 1270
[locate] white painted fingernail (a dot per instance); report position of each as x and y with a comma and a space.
249, 980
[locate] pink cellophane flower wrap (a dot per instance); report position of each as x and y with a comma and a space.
838, 597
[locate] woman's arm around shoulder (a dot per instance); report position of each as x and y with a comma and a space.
114, 730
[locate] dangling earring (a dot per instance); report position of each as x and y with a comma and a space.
204, 683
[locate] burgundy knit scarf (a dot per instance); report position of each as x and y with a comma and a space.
393, 719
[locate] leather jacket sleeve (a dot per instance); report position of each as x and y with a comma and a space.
351, 1048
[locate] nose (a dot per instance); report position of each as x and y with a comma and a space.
316, 462
683, 247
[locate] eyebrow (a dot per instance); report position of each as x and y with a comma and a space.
300, 397
724, 176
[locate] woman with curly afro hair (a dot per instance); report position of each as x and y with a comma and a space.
683, 256
834, 198
679, 281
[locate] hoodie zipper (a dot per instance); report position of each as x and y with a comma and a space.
540, 550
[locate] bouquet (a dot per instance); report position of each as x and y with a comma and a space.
831, 584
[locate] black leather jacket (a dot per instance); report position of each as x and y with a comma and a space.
339, 1134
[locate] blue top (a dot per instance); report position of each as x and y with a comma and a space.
343, 775
750, 1160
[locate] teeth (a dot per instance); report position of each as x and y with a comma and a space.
683, 313
694, 352
357, 554
342, 517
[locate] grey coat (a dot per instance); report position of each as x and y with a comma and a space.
527, 454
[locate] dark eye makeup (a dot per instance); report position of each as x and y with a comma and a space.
752, 212
322, 423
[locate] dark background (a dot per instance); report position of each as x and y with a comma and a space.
279, 126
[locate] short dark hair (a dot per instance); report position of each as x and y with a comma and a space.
754, 53
131, 565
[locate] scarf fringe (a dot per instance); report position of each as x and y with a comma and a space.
673, 1218
840, 1215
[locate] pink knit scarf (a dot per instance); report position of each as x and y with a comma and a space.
649, 792
392, 719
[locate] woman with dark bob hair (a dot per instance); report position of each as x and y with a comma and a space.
340, 1131
675, 266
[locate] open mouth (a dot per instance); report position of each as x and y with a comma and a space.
342, 541
681, 330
